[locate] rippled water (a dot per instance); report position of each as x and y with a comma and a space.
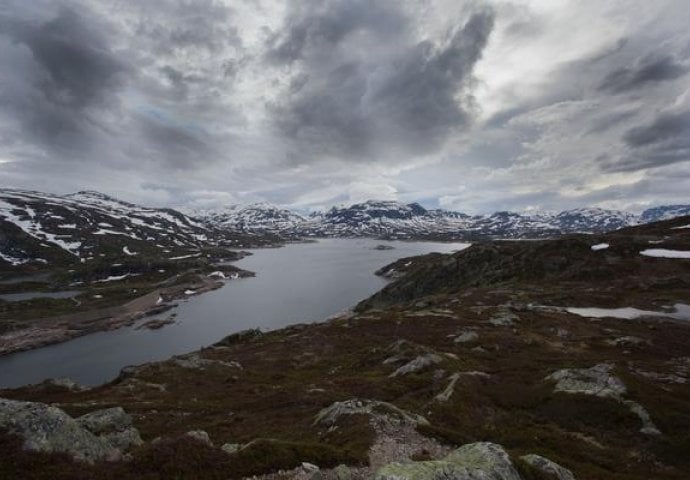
297, 283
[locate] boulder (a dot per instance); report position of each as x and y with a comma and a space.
468, 336
231, 448
596, 380
342, 472
548, 467
114, 425
49, 429
418, 364
503, 318
200, 435
474, 461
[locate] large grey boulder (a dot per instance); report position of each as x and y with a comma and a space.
114, 425
549, 467
474, 461
48, 429
597, 380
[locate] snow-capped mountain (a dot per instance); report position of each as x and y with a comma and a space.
593, 220
665, 212
398, 220
39, 228
256, 217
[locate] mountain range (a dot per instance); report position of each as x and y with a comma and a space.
390, 219
44, 228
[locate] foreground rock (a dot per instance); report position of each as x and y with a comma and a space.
548, 467
475, 461
114, 425
48, 429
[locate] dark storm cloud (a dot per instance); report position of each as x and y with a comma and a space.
317, 26
664, 141
172, 26
653, 68
405, 96
80, 69
75, 89
70, 76
183, 147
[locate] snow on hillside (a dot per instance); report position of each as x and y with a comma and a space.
255, 217
41, 227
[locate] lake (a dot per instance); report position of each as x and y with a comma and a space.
304, 282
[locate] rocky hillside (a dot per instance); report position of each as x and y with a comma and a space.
39, 230
555, 359
619, 259
397, 220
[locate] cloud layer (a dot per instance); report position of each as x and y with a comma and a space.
475, 105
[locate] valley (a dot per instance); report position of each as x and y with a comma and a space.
553, 358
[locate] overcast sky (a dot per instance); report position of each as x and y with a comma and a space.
469, 105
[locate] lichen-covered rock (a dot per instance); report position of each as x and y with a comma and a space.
597, 381
49, 429
503, 318
465, 337
330, 415
475, 461
342, 472
418, 364
200, 435
107, 420
447, 392
231, 448
549, 467
114, 425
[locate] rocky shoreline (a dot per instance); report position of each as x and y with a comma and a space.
40, 332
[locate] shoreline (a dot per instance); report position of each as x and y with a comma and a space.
61, 328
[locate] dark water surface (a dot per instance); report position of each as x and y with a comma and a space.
297, 283
19, 297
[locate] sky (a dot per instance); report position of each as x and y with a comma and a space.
473, 106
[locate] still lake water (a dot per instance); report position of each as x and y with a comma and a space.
298, 283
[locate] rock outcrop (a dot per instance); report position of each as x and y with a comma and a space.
475, 461
330, 415
548, 467
48, 429
600, 382
113, 425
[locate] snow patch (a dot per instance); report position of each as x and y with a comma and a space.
600, 246
115, 278
680, 312
665, 253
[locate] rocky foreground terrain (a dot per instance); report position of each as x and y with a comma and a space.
554, 359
